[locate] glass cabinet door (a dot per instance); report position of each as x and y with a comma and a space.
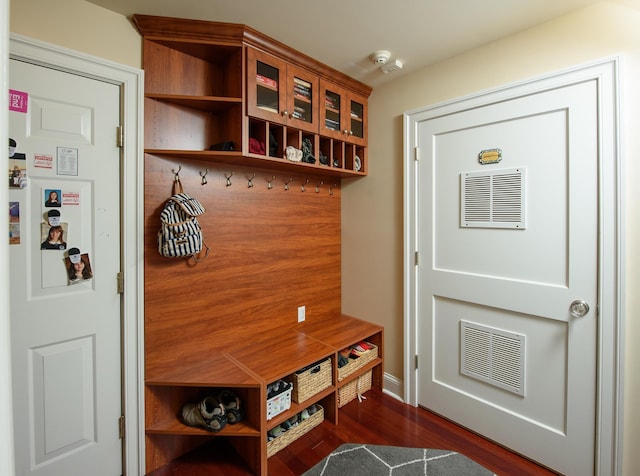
302, 100
332, 108
356, 119
266, 88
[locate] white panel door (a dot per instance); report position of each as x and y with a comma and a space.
65, 308
500, 351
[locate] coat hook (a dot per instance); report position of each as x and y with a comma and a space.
270, 186
318, 186
176, 175
250, 183
204, 176
228, 177
302, 189
286, 184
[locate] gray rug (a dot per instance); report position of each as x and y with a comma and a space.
373, 460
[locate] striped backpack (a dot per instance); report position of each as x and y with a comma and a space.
180, 234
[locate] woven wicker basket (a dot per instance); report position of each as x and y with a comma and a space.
295, 432
354, 388
355, 364
313, 380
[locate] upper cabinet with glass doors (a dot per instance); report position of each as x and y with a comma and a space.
224, 92
343, 114
280, 92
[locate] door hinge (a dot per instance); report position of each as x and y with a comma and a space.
121, 427
416, 360
120, 136
416, 154
416, 258
120, 279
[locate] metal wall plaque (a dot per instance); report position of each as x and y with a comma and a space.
490, 156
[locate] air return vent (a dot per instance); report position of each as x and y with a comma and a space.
493, 356
493, 199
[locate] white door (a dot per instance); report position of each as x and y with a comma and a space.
507, 277
65, 335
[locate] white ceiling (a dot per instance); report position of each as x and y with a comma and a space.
343, 33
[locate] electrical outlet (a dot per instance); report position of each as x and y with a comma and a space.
301, 313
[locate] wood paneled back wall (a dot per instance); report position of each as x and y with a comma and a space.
272, 250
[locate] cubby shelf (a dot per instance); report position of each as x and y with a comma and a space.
176, 427
255, 160
204, 103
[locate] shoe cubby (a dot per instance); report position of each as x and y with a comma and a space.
166, 414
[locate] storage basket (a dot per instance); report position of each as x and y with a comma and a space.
295, 432
355, 364
279, 403
354, 389
311, 381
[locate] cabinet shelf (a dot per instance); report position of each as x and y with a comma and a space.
359, 372
203, 103
176, 427
267, 86
254, 160
298, 407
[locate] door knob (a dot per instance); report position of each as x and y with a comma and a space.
579, 308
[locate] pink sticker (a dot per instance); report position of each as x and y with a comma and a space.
43, 161
18, 100
70, 198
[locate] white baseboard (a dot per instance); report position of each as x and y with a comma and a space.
393, 387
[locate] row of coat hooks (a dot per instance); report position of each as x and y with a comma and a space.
250, 184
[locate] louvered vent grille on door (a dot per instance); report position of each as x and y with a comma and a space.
493, 199
493, 356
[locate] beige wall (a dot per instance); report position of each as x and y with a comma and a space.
78, 25
372, 207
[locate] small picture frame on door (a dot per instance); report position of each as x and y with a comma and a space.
78, 266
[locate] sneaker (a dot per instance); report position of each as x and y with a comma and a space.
213, 413
275, 432
191, 415
231, 403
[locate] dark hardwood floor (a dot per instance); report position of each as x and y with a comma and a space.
380, 420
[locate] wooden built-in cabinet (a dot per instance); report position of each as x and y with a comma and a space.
224, 101
208, 83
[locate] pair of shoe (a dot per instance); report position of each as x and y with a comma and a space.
213, 412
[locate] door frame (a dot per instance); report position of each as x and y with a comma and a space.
131, 83
611, 225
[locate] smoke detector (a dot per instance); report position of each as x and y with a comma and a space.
380, 57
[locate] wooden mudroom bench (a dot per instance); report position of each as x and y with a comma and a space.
247, 367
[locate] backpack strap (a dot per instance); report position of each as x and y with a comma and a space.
177, 186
